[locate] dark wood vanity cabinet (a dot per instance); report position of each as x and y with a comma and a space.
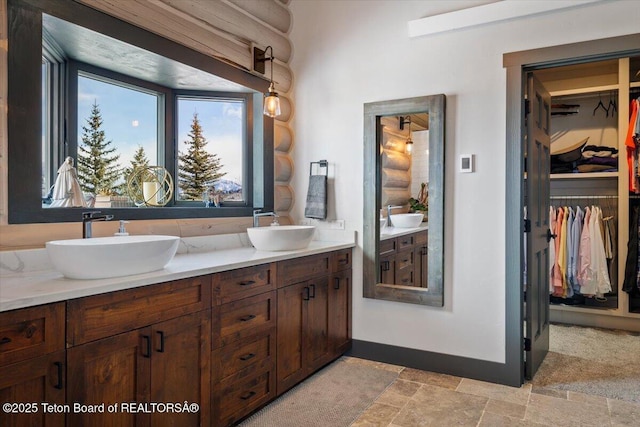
158, 351
215, 340
403, 260
32, 365
314, 325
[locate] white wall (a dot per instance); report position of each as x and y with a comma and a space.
347, 53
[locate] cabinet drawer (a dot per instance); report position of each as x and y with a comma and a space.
31, 332
105, 315
405, 241
404, 277
245, 282
299, 269
249, 355
243, 318
387, 246
236, 399
341, 260
421, 238
404, 260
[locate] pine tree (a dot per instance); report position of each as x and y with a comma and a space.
139, 160
98, 167
197, 168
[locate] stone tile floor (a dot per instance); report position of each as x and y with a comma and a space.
420, 398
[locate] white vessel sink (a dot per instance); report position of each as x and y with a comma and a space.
407, 220
104, 257
281, 238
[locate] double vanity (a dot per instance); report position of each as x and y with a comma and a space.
223, 327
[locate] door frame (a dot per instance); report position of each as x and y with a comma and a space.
517, 64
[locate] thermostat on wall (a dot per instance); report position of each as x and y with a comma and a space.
466, 163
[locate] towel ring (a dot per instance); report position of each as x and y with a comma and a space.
321, 164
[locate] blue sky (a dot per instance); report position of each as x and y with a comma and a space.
130, 120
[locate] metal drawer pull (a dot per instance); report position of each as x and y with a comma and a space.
148, 340
247, 318
161, 350
248, 356
305, 295
59, 383
248, 395
313, 288
248, 282
5, 340
336, 283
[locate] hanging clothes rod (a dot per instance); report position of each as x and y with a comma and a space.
581, 197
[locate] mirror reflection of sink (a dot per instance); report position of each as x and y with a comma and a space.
407, 220
104, 257
281, 238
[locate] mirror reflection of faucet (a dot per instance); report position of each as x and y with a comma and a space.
389, 207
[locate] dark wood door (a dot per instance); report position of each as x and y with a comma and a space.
317, 345
111, 370
292, 309
340, 312
31, 383
538, 164
180, 368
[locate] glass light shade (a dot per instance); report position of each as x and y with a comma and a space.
271, 103
409, 145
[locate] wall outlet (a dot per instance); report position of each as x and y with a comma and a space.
336, 224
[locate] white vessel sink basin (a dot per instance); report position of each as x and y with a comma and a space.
281, 238
104, 257
407, 220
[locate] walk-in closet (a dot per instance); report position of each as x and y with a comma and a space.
594, 194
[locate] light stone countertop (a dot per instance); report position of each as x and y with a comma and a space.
393, 232
28, 279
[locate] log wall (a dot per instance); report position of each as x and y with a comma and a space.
224, 29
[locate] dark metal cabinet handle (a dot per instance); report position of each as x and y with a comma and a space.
336, 283
343, 261
248, 283
161, 349
247, 356
425, 250
305, 294
247, 317
5, 340
248, 395
58, 365
147, 339
386, 266
313, 289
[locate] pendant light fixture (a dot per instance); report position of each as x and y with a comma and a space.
409, 143
271, 100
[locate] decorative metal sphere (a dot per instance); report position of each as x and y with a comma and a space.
150, 186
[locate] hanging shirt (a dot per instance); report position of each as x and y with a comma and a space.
552, 246
574, 250
568, 289
630, 144
584, 259
557, 271
601, 272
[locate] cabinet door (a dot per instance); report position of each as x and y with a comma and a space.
180, 361
405, 268
340, 312
291, 366
111, 370
421, 264
388, 269
32, 382
318, 345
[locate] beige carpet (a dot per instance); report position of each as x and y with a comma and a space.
593, 361
334, 397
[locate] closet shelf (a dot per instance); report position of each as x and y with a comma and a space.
581, 90
634, 84
586, 175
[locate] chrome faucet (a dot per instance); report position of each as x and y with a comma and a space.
89, 218
257, 215
389, 207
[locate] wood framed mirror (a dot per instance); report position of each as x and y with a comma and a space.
403, 263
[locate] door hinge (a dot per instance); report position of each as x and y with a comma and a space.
527, 226
527, 344
527, 107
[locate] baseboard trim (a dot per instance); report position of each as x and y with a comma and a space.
435, 362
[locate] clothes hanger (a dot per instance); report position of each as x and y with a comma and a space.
600, 105
612, 105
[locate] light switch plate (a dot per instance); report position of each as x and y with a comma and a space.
467, 163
